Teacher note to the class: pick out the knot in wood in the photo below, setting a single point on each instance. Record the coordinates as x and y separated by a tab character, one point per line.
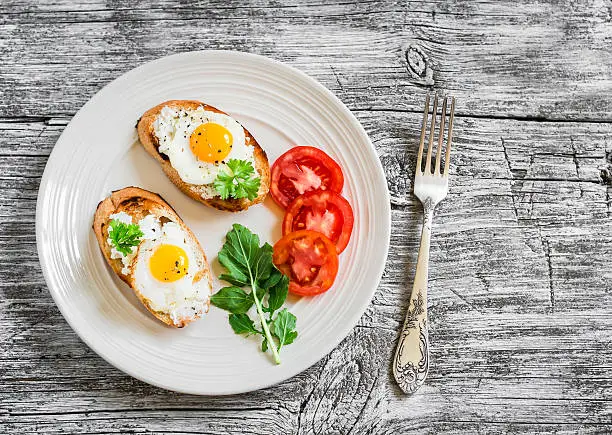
417	61
605	172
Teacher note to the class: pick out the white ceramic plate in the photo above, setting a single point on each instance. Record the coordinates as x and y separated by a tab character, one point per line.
98	152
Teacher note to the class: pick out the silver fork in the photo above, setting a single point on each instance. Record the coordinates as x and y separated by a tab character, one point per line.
412	354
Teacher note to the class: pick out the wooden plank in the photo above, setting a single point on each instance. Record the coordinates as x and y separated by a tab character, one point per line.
550	62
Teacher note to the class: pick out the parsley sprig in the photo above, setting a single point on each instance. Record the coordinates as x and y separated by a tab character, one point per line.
249	264
240	182
124	236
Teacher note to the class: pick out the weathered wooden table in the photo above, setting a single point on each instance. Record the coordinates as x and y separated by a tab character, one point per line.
521	278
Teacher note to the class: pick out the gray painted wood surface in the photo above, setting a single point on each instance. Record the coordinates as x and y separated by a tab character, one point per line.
521	262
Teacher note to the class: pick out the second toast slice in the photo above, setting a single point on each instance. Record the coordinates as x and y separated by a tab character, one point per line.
150	248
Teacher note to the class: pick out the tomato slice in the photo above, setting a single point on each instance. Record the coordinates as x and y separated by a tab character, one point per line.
309	259
302	169
323	211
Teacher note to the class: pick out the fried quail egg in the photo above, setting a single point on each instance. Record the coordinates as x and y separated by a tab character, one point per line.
199	143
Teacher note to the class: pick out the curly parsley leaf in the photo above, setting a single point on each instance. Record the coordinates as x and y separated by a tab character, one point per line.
250	265
124	236
240	182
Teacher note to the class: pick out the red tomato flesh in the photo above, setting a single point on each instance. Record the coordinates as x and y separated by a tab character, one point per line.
309	259
323	211
303	169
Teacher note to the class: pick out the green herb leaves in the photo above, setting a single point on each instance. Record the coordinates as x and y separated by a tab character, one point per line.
242	324
245	261
124	236
232	299
249	264
277	294
240	182
283	328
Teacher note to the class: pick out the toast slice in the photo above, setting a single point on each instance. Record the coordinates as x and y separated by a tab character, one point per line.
139	203
146	134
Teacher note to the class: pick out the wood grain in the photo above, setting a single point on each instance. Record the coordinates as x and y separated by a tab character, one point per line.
521	258
543	61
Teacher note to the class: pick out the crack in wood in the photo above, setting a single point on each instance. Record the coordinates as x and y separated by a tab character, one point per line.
465	301
119	19
501	117
302	408
605	174
544	179
377	328
546	250
574	157
483	280
530	424
141	410
50	120
64	119
328	386
180	8
507	159
306	401
24	155
366	402
337	78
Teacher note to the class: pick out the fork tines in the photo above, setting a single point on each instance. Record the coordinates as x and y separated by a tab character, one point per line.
432	134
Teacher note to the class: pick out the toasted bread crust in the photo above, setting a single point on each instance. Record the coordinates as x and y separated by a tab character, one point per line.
147	137
139	203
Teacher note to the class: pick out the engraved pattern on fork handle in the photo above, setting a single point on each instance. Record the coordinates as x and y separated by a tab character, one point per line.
411	362
428	209
410	368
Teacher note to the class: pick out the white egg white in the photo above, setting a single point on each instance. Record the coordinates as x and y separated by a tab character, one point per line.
183	299
173	129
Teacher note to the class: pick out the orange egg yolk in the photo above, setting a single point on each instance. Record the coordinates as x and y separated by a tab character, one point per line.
211	142
169	263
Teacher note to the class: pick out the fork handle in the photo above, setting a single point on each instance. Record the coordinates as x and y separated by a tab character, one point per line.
411	361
